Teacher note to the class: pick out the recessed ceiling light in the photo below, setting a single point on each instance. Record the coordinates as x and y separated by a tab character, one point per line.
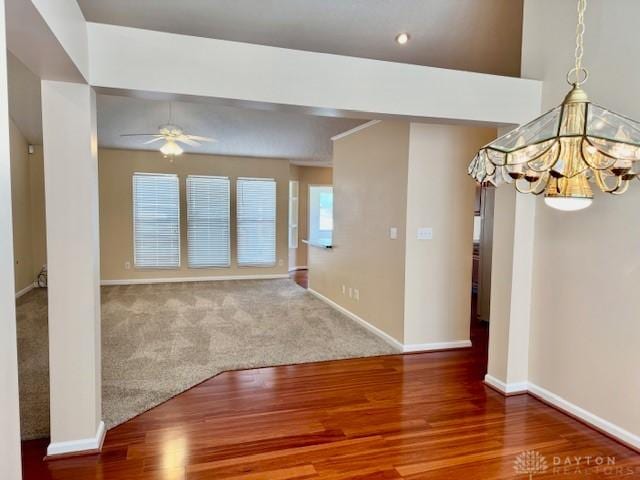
402	38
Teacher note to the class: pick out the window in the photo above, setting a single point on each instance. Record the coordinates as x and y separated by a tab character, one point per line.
256	213
293	213
156	220
321	214
208	221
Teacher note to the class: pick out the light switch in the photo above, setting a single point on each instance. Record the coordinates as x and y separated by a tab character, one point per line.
393	233
425	233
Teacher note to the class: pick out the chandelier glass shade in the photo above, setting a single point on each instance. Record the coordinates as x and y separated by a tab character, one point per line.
562	153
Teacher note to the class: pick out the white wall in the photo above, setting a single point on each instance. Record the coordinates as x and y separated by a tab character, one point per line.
585	327
127	58
10	466
73	260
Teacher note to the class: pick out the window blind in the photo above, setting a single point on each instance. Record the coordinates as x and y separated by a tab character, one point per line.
208	221
156	220
256	215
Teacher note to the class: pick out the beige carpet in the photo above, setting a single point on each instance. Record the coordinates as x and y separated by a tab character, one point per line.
159	340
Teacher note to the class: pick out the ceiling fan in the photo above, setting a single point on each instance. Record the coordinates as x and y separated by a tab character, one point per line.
172	135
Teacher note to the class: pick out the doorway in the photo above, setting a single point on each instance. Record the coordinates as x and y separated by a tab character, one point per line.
481	269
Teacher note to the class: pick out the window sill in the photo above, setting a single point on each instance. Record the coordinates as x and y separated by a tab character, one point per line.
317	244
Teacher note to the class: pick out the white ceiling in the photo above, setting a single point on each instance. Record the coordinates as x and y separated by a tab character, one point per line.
238	131
474	35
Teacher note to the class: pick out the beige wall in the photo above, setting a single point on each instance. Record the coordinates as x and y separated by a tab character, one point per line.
585	331
370	189
38	214
440	195
27	193
306	176
21	204
403	175
116	168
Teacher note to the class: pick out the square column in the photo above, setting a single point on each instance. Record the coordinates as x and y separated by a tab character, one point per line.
10	466
73	258
511	283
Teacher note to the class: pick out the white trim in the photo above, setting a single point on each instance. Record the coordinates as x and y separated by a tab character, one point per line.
375	330
25	290
599	423
567	407
370	123
138	281
293	269
506	388
83	445
425	347
416	347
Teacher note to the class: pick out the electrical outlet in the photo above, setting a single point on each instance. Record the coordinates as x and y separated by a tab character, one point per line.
356	294
425	233
127	265
350	292
393	233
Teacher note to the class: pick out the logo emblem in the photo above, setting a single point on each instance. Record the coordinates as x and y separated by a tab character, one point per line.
530	462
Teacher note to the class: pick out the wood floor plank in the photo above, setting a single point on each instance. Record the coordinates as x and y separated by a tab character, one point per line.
411	417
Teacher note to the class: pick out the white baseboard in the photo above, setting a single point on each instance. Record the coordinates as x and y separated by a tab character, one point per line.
77	446
405	348
506	388
595	421
293	269
25	290
571	409
426	347
375	330
140	281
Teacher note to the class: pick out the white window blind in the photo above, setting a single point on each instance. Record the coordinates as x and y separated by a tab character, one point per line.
156	220
208	221
256	213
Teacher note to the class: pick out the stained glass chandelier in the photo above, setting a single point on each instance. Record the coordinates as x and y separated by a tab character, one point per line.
566	150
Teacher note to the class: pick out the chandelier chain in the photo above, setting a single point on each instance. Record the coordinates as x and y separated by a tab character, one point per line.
578	70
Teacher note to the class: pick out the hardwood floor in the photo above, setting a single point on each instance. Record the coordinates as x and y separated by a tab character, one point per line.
301	277
414	416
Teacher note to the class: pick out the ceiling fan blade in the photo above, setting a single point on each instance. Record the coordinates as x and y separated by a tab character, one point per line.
153	140
141	135
185	139
201	139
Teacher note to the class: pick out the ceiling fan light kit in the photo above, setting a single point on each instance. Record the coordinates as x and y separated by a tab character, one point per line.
172	136
563	152
171	148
